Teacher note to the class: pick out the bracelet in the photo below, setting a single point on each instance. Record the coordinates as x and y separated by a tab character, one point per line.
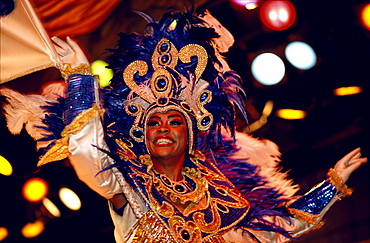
337	181
66	70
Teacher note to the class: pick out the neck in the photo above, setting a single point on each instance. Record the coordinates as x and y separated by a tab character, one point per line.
171	168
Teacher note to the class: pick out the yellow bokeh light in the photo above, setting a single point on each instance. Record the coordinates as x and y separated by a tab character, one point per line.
50	206
33	229
98	67
35	189
251	6
291	114
3	233
351	90
365	16
69	198
5	167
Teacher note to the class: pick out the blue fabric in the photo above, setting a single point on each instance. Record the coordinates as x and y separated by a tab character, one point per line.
317	199
80	96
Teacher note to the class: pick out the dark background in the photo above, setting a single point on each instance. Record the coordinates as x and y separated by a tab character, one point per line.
333	126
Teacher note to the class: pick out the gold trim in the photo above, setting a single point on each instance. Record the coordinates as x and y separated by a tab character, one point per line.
66	70
150	227
32	70
304	216
337	181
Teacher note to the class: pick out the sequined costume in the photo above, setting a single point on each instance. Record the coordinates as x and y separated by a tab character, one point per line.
230	193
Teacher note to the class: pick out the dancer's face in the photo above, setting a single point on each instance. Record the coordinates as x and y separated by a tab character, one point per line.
167	135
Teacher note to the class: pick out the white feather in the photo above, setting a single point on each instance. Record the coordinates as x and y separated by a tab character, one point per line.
266	155
24	111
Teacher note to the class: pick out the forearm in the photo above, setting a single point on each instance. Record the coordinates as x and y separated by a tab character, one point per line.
86	146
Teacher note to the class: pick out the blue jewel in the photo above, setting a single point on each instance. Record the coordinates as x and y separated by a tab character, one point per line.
165	59
133	108
163	47
203	97
205	121
161	83
137	133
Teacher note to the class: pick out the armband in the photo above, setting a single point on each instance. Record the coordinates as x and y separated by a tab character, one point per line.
315	200
80	96
337	181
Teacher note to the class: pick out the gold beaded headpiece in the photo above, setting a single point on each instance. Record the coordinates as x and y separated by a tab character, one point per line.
164	91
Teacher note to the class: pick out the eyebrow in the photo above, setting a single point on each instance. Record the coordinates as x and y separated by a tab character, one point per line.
171	116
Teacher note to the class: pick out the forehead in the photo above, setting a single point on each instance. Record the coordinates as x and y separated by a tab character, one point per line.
167	114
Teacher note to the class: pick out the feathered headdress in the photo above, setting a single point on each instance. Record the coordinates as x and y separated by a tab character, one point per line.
174	65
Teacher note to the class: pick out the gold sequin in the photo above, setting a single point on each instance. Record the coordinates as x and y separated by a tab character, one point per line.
66	70
128	77
337	181
304	216
191	50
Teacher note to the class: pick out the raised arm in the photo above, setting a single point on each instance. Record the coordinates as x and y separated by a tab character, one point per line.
82	117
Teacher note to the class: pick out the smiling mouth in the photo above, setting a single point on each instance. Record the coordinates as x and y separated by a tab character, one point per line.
164	141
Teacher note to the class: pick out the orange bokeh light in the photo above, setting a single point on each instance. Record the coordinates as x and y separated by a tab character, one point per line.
365	16
35	189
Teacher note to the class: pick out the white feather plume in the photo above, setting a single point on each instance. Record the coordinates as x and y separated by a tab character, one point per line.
24	111
266	155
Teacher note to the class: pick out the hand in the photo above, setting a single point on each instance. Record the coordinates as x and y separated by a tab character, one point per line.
69	52
349	163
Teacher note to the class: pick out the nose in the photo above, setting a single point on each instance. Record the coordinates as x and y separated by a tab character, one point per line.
163	130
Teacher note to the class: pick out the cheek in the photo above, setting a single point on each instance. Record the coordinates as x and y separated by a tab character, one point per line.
148	138
183	136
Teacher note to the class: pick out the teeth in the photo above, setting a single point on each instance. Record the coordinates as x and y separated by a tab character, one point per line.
163	141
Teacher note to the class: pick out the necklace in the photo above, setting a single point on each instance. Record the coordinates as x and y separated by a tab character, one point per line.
180	187
192	188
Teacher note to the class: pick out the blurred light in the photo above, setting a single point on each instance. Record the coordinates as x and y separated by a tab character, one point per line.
5	167
343	91
278	15
251	6
50	206
98	67
69	198
35	189
3	233
300	55
291	114
268	69
268	108
31	230
365	16
244	3
262	120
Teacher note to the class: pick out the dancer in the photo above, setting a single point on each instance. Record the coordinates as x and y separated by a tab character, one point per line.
160	143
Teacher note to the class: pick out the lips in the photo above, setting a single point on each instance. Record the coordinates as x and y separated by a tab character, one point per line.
163	142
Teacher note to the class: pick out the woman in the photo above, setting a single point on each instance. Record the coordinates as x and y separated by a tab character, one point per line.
166	154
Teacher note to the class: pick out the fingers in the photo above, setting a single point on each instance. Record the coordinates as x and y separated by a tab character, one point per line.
73	44
61	43
354	153
355	165
348	159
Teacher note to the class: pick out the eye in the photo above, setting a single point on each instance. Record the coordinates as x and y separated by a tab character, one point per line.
175	123
153	124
